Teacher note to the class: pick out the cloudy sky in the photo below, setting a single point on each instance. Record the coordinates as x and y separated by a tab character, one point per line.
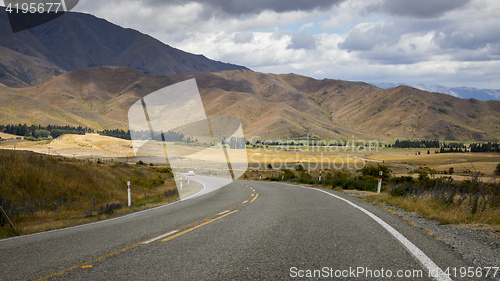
447	42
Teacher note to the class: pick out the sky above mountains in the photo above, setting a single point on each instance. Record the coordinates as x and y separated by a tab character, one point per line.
446	42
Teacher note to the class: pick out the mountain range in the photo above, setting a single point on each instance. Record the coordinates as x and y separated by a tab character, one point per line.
459	92
78	40
81	70
270	106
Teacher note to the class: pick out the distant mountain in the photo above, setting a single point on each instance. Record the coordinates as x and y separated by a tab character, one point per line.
459	92
77	40
269	106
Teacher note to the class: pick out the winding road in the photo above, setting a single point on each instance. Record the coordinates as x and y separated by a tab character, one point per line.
245	230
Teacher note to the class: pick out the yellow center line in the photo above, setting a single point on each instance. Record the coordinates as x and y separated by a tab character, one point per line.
256	195
88	262
205	220
195	227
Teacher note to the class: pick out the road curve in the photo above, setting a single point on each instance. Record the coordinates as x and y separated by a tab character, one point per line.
244	230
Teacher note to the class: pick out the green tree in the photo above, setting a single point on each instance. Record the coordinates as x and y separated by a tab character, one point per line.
497	171
41	134
57	133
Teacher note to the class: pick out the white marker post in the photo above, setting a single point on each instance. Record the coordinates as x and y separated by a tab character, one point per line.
320	176
128	191
181	182
283	176
260	176
379	181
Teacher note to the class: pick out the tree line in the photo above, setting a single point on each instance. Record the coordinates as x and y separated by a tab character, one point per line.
473	147
39	131
416	144
451	147
54	131
158	136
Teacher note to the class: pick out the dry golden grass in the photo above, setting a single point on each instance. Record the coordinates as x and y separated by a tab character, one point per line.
429	208
41	192
7	136
315	158
77	146
45	221
485	163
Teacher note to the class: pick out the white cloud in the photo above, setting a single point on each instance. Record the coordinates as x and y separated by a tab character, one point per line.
302	40
243	37
440	42
345	15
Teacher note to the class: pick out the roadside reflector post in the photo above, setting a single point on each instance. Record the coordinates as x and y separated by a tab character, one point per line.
379	181
260	176
283	175
320	176
128	193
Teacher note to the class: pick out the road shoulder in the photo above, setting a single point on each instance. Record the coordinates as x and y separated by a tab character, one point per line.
477	245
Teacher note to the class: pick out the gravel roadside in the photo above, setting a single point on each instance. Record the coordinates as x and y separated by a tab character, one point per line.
475	244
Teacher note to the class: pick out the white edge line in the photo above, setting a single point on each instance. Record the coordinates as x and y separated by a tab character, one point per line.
101	221
204	187
414	250
160	237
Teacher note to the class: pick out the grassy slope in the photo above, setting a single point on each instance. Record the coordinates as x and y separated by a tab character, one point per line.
40	192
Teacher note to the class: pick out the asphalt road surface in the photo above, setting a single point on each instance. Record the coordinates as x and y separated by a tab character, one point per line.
245	230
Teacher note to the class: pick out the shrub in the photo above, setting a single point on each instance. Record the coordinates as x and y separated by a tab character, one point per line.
402	179
166	171
402	189
288	174
305	175
299	168
358	184
304	181
373	171
472	194
110	208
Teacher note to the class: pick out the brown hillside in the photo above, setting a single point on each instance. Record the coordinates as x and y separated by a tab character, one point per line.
96	97
268	105
18	70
